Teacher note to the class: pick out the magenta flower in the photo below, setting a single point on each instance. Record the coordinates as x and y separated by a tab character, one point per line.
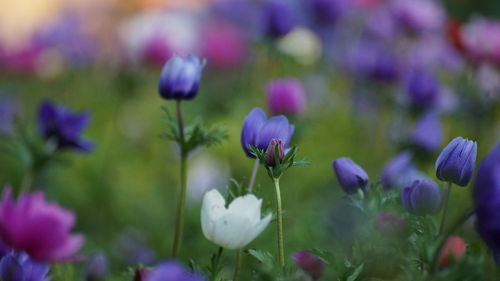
311	264
286	96
481	39
223	44
37	227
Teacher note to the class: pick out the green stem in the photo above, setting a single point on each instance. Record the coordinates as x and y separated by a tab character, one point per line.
279	224
27	180
445	208
254	175
179	222
238	264
215	265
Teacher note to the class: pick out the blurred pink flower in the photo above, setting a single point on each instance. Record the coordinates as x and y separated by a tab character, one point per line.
37	227
286	96
481	39
157	51
223	44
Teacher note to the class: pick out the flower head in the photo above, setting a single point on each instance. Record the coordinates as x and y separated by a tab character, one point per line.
481	39
311	264
452	251
456	162
422	197
487	201
19	267
423	88
37	227
427	133
400	172
172	271
419	16
180	78
259	131
233	227
278	18
60	124
286	96
351	177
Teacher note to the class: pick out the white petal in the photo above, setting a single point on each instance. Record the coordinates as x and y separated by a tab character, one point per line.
247	206
213	207
232	231
259	227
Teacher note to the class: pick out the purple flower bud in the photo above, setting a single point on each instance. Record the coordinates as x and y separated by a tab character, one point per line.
423	88
456	162
59	124
390	224
427	133
180	78
269	158
259	131
422	197
278	18
351	177
309	263
19	267
172	271
97	267
286	96
487	201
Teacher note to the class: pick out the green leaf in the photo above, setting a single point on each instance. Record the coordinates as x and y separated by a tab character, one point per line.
355	273
262	256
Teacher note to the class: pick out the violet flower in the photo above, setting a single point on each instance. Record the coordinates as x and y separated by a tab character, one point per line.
422	197
278	18
427	133
456	162
39	228
180	78
285	96
309	263
351	177
20	267
172	271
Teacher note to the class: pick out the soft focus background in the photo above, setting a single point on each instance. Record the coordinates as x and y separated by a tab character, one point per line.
367	67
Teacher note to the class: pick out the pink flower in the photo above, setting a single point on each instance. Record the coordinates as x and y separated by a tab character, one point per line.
37	227
223	44
481	40
286	96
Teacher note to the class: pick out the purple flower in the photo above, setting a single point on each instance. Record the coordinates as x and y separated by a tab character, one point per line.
309	263
481	39
285	96
326	12
180	78
422	197
400	172
419	16
351	177
487	201
19	267
423	88
259	131
427	133
97	267
39	228
57	123
172	271
372	60
390	224
278	18
456	162
269	157
157	50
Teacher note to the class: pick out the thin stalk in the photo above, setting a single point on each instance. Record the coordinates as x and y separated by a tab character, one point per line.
179	222
279	224
445	208
215	265
237	267
27	180
253	175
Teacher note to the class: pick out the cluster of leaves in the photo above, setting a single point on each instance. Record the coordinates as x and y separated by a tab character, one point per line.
281	165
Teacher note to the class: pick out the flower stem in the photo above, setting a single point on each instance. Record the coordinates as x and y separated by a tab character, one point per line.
254	175
215	265
445	208
279	224
238	265
27	180
179	222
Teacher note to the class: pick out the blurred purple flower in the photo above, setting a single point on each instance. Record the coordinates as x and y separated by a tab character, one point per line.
285	96
131	248
259	131
456	162
481	39
19	267
97	267
427	133
419	16
422	197
37	227
243	13
278	18
372	60
57	123
309	263
422	87
172	271
157	50
23	59
326	12
180	78
400	172
351	177
487	201
390	224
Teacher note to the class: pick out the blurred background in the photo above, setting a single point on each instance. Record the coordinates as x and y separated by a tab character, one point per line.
374	73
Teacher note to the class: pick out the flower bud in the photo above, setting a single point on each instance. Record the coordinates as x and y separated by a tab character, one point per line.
180	78
422	197
309	263
456	162
269	158
350	175
390	224
452	251
286	96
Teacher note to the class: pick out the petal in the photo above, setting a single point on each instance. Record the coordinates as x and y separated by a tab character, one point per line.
213	207
247	206
259	227
276	127
232	231
252	125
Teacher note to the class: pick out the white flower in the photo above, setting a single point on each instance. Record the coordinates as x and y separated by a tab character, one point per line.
236	226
